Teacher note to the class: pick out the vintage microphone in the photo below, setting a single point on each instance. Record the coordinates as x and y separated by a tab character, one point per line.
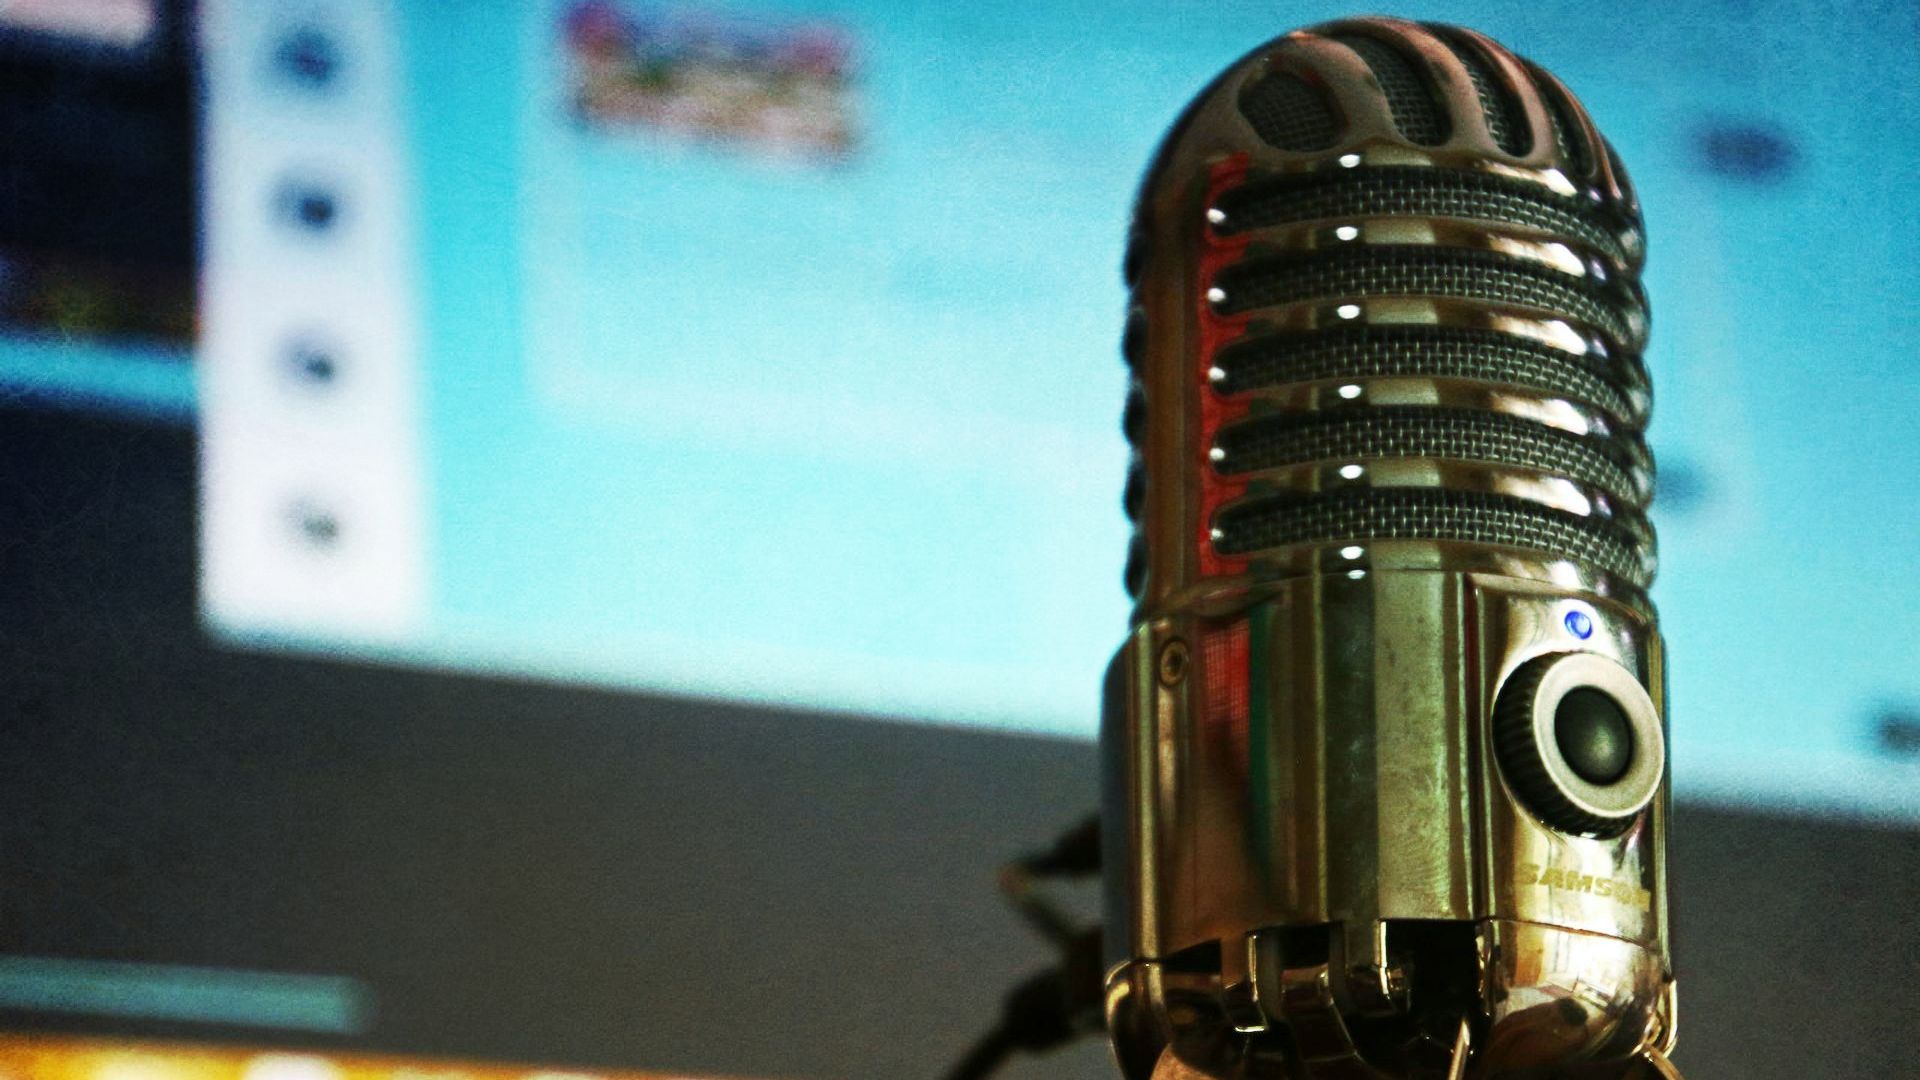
1386	789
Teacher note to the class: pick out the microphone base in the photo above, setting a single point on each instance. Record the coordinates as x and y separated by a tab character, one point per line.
1336	857
1535	1019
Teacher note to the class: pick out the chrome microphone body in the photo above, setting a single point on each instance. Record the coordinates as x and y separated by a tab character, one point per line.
1386	786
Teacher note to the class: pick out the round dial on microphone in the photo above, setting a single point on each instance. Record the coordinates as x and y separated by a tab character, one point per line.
1594	735
1580	742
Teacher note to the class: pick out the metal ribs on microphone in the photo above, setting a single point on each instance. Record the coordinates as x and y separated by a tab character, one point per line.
1386	784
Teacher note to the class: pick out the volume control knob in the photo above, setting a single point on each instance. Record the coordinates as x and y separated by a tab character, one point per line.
1580	742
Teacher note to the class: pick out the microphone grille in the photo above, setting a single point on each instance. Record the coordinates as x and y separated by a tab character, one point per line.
1427	514
1411	98
1384	270
1612	466
1456	353
1385	292
1506	117
1289	113
1568	139
1414	192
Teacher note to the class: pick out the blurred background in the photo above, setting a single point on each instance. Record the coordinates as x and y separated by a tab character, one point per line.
582	531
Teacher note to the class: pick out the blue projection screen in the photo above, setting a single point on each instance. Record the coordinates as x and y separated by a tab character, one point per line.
768	351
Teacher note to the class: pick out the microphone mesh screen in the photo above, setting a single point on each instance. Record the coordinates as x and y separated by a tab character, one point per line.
1415	192
1426	351
1416	109
1374	317
1451	434
1431	514
1566	131
1288	113
1421	271
1506	121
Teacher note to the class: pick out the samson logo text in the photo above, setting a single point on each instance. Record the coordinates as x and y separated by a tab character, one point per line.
1620	890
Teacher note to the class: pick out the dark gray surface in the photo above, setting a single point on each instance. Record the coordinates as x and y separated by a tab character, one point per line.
553	874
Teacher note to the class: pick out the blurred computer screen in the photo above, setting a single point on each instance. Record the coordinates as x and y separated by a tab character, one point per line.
765	352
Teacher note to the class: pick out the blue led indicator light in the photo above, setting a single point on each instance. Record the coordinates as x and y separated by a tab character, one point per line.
1579	625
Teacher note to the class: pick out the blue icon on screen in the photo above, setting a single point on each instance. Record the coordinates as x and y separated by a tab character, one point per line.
308	206
308	57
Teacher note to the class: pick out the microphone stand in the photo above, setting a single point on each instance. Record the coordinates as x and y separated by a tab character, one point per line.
1063	1002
